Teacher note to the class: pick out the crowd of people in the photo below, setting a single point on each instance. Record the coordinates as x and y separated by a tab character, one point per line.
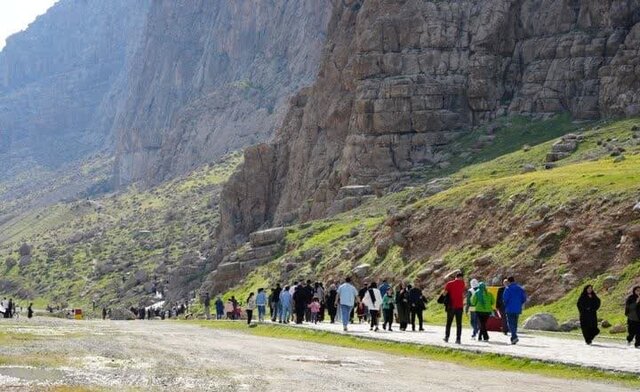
404	305
10	309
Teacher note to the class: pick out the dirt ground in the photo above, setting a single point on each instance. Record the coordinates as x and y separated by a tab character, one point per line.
172	356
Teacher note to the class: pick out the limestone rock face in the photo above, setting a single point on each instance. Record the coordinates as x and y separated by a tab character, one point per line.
399	80
56	80
211	77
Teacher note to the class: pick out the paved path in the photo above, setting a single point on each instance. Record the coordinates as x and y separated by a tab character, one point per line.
174	356
602	354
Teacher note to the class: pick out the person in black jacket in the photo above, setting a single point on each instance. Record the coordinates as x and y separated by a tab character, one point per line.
632	311
402	305
500	306
588	305
274	302
416	307
331	303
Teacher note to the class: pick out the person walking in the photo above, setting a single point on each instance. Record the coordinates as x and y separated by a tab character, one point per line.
207	306
300	303
30	310
219	308
500	306
261	303
346	298
632	311
373	301
384	287
483	302
455	290
470	309
402	305
251	305
416	307
387	309
274	302
331	303
588	305
514	298
314	307
285	306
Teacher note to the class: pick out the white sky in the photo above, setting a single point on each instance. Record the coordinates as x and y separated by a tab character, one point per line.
16	15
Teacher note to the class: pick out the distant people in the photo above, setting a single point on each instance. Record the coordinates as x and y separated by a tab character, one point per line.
274	300
483	302
632	311
455	289
261	303
373	302
207	306
104	313
30	310
402	305
514	298
417	306
387	309
10	308
331	303
251	305
346	298
300	303
285	306
500	306
384	287
319	293
470	309
588	305
219	308
314	308
229	309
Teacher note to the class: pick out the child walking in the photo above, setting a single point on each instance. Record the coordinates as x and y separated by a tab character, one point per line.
314	307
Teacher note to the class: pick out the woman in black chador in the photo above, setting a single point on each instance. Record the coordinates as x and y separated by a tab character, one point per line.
588	305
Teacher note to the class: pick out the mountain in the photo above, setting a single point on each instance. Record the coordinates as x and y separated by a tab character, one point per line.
56	79
401	81
211	77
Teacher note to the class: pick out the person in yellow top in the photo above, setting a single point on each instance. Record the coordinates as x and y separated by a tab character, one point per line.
484	302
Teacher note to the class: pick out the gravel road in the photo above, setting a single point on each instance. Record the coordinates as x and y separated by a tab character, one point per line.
172	356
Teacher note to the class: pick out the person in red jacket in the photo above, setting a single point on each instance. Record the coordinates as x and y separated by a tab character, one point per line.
455	290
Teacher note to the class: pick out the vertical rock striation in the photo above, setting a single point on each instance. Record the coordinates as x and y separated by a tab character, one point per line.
56	77
211	77
401	79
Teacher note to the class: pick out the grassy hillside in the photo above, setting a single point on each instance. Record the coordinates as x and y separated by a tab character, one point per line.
556	229
116	249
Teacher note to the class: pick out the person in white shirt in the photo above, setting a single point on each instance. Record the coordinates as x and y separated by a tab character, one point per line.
373	301
346	299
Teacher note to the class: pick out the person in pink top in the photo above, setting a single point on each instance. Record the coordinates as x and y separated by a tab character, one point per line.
314	307
455	291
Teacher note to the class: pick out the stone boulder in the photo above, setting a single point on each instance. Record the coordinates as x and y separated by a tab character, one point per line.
361	270
542	322
122	314
570	325
609	282
619	328
267	237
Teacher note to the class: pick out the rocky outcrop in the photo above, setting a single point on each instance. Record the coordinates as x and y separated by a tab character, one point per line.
56	78
263	246
400	80
212	77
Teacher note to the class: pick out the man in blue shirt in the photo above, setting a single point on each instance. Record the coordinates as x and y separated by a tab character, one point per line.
513	298
347	298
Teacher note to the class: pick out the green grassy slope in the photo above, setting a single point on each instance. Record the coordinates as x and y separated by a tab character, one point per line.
117	248
589	186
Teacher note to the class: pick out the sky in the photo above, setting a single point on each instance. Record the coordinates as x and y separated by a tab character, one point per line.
16	15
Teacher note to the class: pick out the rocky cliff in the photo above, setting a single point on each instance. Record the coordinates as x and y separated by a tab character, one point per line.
400	80
56	78
211	77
